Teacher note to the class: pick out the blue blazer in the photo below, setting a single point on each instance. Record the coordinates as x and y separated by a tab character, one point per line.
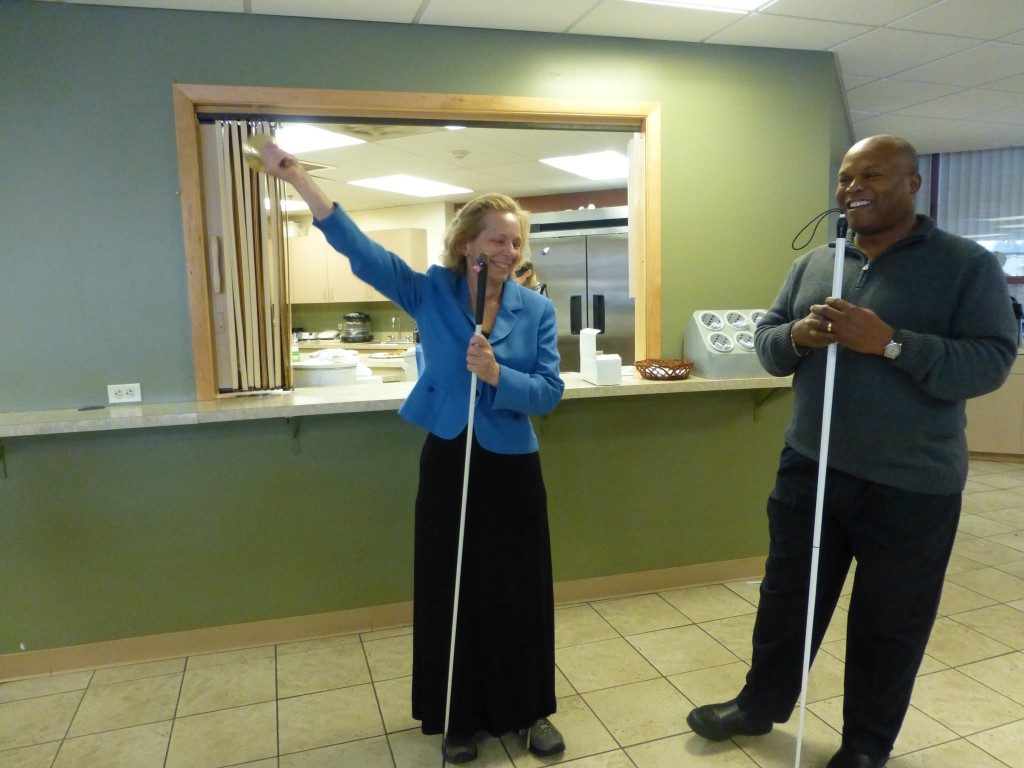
524	338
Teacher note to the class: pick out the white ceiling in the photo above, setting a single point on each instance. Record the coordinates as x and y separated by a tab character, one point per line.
946	74
495	159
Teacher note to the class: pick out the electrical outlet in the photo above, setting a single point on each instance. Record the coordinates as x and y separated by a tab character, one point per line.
124	393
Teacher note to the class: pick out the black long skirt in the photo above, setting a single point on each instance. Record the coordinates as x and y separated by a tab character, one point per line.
504	676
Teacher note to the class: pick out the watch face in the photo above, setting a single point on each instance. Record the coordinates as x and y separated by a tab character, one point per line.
892	350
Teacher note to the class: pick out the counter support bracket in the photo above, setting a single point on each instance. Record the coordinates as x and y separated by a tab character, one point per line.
294	423
762	397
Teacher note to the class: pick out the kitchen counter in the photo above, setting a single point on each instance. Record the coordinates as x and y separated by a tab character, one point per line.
317	401
373	354
360	346
995	422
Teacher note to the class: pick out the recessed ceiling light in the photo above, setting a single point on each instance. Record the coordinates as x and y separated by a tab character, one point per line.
410	185
288	206
726	6
297	138
598	166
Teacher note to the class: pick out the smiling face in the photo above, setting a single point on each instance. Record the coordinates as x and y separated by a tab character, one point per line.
877	183
502	240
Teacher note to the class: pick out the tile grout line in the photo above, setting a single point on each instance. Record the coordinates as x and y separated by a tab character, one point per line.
277	708
376	698
174	715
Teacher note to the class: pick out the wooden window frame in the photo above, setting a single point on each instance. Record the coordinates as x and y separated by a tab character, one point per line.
193	101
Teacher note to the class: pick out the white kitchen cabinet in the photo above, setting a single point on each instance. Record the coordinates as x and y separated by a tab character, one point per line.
307	271
318	274
408	243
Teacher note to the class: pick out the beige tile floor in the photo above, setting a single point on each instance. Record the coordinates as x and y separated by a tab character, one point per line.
629	670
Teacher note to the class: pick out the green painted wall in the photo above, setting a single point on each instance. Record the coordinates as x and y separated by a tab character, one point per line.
130	533
94	280
121	534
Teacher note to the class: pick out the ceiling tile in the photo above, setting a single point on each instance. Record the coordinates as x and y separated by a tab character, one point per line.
532	174
989	20
979	65
531	15
971	102
362	160
784	32
1015	83
857	116
877	13
1013	115
933	135
504	159
356	10
220	6
618	18
888	95
855	81
884	52
556	143
439	147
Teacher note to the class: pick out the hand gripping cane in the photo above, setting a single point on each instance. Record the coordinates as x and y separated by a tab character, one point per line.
819	502
481	296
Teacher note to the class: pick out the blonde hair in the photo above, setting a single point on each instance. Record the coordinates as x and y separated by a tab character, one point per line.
469	222
525	265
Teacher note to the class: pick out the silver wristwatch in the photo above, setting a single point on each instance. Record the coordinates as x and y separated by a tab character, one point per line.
892	350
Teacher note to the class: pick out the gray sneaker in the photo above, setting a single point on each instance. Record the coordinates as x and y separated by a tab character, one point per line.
543	739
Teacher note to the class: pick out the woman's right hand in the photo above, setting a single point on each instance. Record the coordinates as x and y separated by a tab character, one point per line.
281	165
278	163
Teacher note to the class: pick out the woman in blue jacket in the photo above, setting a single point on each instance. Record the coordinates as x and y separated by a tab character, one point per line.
505	652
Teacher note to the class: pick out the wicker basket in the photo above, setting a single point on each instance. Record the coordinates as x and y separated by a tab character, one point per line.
664	370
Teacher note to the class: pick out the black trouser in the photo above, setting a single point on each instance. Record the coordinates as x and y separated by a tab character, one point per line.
902	542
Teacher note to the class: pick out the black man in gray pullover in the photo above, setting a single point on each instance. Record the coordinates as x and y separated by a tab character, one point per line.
925	322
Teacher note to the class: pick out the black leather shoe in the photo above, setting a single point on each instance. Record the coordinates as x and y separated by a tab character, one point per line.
718	722
848	758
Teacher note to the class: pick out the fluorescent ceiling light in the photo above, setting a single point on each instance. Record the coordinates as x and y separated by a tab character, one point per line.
410	185
598	166
288	206
297	138
726	6
455	127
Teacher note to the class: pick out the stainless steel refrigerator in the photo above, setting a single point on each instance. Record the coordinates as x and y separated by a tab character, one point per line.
583	257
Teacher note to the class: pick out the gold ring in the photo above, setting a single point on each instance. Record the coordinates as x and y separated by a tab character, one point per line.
828	328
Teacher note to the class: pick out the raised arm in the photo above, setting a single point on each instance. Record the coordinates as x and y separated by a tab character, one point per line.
281	165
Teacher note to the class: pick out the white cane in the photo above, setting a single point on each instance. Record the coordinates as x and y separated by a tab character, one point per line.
819	503
481	297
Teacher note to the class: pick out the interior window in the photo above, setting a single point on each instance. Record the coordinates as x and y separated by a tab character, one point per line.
194	104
